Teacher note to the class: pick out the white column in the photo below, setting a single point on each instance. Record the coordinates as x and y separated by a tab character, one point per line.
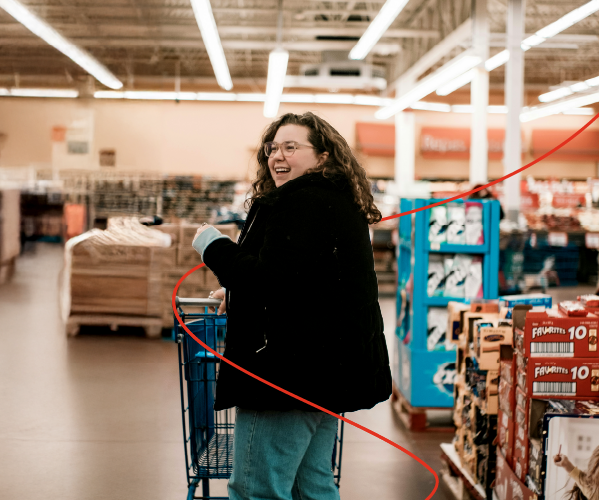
514	94
479	96
405	154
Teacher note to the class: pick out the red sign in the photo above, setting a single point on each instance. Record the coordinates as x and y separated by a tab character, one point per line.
584	147
454	143
529	201
568	200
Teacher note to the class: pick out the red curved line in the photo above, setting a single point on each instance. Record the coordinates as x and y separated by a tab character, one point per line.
361	427
559	146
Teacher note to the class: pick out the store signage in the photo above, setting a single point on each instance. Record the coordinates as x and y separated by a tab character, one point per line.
529	201
584	147
454	143
591	240
557	239
568	200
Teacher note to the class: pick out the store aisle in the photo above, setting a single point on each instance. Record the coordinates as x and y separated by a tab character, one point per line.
98	416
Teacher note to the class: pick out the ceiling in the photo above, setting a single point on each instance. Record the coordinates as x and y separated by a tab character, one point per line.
145	43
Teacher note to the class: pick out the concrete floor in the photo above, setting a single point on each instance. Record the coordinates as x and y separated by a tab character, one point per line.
98	416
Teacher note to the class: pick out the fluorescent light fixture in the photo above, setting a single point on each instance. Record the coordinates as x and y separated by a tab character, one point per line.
431	106
593	82
205	19
531	41
251	97
555	94
580	111
579	87
42	29
462	108
492	63
66	93
497	60
370	100
456	83
569	19
432	82
215	96
277	67
109	94
389	11
302	98
160	96
334	98
559	107
497	110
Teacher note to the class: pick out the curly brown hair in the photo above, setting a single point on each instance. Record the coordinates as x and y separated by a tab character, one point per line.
589	478
340	161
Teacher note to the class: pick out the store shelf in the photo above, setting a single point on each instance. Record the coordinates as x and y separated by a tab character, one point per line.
442	301
451	457
452	248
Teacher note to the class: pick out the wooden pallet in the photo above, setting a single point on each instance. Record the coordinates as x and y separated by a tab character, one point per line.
152	326
414	418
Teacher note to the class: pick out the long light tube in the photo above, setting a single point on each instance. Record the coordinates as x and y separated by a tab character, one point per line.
432	82
538	38
205	19
277	68
66	93
42	29
554	95
456	83
559	107
389	11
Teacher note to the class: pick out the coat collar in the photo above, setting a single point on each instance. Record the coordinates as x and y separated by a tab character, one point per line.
338	181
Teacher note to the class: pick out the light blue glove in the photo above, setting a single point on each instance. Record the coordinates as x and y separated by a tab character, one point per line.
205	238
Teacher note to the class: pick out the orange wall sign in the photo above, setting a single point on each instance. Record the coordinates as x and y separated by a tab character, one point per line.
584	147
454	143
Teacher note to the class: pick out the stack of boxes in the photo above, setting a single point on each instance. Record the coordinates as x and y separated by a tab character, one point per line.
476	393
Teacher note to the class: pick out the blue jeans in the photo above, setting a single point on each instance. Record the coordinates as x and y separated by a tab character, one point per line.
283	455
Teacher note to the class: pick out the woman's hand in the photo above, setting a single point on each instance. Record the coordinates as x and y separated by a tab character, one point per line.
562	461
219	294
199	231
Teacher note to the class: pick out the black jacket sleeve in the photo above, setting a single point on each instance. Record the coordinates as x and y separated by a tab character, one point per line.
298	246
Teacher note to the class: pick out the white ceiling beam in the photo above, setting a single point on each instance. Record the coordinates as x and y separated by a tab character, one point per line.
182	30
308	46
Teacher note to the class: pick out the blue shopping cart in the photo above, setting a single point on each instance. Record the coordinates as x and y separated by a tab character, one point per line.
208	434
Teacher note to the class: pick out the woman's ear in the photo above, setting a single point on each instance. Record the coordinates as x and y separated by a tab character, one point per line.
322	158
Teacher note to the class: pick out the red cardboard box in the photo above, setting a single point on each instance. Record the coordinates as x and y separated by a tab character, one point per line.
521	380
508	370
505	435
563	378
522	399
507	398
521	445
521	416
552	334
507	484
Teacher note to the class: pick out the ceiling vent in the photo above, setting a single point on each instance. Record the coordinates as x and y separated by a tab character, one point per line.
338	72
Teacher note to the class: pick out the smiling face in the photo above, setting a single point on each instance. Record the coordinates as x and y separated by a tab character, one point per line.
303	158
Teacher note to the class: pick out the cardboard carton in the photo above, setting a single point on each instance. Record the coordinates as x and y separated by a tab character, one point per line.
563	378
507	485
553	334
453	319
505	435
489	337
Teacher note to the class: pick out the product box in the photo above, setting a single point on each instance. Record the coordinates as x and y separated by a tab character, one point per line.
484	306
521	417
563	378
552	334
489	337
505	435
507	485
453	319
474	223
521	380
467	319
522	398
507	398
507	365
491	402
437	225
436	276
531	299
521	452
535	459
436	320
456	271
456	223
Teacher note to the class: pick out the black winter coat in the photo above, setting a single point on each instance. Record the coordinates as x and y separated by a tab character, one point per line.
301	282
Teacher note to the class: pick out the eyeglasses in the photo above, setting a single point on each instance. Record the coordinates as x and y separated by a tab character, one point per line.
288	148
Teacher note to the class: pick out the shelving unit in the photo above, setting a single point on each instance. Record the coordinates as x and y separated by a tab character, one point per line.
425	378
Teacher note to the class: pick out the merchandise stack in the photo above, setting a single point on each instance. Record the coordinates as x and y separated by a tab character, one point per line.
10	238
448	254
481	333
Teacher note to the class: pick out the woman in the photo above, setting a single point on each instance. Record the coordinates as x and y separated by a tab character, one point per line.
587	483
302	305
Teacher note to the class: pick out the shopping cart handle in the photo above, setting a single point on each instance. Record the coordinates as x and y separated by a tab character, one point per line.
180	301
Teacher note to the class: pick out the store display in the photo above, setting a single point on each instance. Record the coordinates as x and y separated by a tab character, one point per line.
474	223
456	223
